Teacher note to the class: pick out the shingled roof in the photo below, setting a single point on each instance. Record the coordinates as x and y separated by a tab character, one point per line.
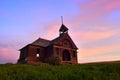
45	43
41	42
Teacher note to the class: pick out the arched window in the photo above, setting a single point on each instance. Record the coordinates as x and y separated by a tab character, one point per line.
66	55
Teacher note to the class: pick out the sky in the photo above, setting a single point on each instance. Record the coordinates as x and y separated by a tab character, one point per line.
94	26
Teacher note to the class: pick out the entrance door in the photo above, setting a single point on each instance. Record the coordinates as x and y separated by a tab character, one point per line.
66	55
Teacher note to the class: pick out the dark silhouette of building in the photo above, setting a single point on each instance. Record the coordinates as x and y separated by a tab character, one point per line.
62	47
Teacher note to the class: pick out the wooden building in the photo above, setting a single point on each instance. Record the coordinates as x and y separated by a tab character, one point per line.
62	47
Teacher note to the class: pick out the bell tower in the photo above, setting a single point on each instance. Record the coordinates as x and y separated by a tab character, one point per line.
63	29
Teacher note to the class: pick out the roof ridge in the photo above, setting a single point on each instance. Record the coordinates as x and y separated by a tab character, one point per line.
41	42
43	39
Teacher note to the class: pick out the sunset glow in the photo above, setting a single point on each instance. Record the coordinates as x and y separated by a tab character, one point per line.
94	25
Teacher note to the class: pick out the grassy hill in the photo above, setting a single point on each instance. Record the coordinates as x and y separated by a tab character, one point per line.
95	71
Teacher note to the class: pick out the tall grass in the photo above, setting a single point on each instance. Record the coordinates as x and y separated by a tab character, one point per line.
110	71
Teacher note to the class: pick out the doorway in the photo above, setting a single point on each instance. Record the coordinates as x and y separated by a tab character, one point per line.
66	55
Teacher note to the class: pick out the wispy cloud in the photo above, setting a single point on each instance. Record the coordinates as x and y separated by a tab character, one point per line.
8	54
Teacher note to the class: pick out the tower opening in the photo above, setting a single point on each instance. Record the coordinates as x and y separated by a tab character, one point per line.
63	29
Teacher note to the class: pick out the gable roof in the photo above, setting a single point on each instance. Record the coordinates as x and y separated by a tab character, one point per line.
41	42
65	35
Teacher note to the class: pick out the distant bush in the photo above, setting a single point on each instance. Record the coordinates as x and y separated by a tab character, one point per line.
54	60
9	63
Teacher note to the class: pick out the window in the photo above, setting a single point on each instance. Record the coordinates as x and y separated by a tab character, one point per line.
66	43
37	55
26	59
37	52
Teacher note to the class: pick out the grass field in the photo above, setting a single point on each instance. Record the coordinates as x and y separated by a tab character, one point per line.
95	71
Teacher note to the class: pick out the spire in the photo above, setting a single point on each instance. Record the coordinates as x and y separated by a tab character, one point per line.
62	19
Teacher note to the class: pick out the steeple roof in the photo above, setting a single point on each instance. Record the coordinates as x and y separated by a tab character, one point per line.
63	28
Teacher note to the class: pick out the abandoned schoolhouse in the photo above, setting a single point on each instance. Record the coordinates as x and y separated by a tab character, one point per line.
62	47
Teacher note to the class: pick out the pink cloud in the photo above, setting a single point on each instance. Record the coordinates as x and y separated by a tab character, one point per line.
98	6
112	5
8	54
94	50
94	34
52	30
99	53
94	10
